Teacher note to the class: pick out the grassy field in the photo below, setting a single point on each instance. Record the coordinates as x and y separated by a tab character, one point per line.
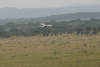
66	50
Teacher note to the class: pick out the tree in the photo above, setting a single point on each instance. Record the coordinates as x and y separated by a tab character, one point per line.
4	34
99	29
79	30
88	29
16	32
95	30
53	20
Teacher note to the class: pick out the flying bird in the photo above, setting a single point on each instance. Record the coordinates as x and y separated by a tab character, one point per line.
43	25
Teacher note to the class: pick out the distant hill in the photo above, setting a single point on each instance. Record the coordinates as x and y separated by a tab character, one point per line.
60	17
15	13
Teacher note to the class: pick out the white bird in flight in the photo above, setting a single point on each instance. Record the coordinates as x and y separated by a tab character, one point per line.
43	25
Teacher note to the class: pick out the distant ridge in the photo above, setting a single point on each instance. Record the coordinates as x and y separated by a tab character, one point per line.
15	13
60	17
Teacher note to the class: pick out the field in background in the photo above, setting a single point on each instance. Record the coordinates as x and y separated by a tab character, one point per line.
66	50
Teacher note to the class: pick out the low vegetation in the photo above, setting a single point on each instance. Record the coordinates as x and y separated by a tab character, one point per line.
62	50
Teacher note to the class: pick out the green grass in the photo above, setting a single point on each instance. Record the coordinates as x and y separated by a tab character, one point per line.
50	51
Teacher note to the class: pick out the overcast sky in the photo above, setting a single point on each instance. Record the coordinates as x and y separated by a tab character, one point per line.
45	3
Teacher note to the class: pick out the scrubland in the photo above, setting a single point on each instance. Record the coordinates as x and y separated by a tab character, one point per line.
66	50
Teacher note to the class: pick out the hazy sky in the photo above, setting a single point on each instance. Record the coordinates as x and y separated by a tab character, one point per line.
45	3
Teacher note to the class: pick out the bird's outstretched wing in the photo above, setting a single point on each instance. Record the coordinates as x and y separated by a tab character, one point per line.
49	25
43	25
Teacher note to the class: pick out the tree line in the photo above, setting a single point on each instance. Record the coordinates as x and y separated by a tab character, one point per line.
31	29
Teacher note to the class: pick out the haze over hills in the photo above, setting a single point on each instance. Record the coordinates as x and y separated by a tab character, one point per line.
15	13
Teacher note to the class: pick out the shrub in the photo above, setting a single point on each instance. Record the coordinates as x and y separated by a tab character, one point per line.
85	44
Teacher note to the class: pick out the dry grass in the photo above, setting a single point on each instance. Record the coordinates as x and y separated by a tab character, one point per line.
67	50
